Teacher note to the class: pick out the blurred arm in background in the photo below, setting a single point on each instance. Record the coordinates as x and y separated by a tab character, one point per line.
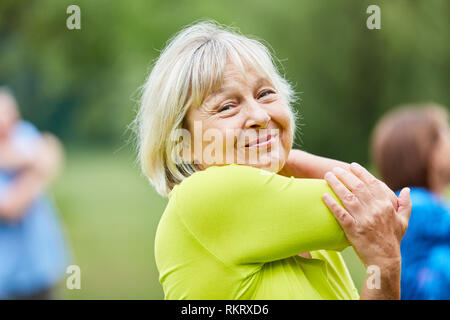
34	176
33	168
11	159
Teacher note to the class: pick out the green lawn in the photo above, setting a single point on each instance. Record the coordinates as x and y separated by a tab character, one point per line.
110	213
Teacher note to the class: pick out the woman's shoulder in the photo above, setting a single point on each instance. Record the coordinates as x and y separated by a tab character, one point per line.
218	189
234	179
227	171
220	178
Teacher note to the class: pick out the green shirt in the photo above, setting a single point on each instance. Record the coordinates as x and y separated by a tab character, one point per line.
235	232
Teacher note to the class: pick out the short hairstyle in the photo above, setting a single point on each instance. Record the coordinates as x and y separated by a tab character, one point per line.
403	141
190	68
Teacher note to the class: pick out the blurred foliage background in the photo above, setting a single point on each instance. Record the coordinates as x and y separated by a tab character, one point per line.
83	85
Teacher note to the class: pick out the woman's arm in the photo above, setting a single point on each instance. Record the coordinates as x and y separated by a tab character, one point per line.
373	225
301	164
388	287
33	180
20	194
12	159
245	215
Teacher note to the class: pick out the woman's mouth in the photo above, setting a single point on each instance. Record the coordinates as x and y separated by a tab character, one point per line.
261	142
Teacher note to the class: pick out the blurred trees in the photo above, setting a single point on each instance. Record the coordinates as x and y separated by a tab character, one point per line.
81	84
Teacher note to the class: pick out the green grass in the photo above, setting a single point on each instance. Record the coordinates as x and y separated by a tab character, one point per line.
110	214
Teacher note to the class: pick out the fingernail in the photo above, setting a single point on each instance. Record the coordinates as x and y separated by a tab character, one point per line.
328	175
355	166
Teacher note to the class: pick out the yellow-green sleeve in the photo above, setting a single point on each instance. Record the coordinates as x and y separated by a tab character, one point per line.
247	215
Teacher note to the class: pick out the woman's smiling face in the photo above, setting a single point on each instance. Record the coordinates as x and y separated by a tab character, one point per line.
246	121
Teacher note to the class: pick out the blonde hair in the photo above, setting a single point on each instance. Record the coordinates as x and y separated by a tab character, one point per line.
187	71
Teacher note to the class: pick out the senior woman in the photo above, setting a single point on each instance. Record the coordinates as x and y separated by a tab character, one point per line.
215	135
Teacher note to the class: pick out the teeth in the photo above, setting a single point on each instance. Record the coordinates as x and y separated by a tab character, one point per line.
259	140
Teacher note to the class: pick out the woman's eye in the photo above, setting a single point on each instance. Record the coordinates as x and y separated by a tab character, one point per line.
265	92
225	108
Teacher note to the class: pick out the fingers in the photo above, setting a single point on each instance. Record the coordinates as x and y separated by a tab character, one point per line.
405	205
379	189
353	183
344	218
348	199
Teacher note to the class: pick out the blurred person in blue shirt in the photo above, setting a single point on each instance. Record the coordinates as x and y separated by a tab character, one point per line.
411	148
33	251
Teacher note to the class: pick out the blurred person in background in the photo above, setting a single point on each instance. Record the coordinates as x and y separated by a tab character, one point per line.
411	148
33	252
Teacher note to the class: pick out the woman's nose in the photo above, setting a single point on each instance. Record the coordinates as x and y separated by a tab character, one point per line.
257	116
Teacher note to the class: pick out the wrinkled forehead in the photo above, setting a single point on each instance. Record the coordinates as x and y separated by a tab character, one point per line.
235	76
247	63
226	62
249	71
